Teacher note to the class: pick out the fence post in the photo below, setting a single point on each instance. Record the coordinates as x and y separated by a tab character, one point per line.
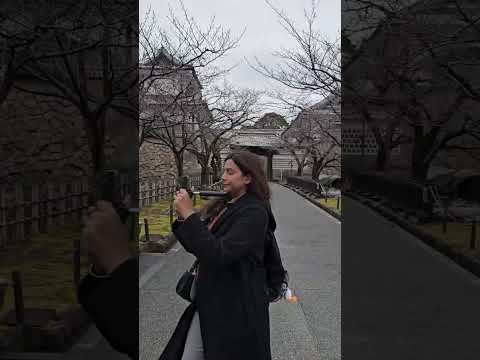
19	304
444	221
338	202
76	261
152	193
3	218
56	204
145	193
140	205
49	207
147	232
35	209
473	234
68	203
20	213
62	204
78	199
84	197
146	190
27	211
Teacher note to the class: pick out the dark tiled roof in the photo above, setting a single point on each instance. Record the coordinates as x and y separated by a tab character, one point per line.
267	138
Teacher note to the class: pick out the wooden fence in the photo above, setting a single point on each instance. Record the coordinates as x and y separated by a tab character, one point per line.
26	210
154	190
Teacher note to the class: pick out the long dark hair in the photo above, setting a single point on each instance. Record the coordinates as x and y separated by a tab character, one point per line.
249	164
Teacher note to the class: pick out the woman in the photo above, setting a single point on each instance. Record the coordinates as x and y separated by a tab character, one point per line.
239	267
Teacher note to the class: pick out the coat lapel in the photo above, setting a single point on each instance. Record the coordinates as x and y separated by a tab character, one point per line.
231	210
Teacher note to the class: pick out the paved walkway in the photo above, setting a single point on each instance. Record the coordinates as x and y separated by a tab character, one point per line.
309	241
401	299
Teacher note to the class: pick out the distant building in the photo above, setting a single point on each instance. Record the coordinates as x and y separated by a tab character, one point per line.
321	123
398	43
270	120
175	92
265	138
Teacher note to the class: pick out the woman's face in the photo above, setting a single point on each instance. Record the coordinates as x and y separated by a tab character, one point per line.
234	182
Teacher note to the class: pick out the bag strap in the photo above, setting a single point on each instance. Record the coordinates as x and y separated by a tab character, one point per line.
194	266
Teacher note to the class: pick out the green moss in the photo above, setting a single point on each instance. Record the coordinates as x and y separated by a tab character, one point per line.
45	263
331	203
457	235
158	216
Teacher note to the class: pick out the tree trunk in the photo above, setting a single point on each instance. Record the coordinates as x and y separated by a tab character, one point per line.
299	170
425	148
204	175
179	163
419	171
96	143
418	165
216	166
317	168
383	157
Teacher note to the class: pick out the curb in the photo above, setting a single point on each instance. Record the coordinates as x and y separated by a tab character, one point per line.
460	259
324	208
169	242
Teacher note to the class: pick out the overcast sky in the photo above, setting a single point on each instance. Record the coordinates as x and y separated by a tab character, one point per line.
263	33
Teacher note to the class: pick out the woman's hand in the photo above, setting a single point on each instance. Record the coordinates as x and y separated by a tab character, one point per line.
106	237
183	204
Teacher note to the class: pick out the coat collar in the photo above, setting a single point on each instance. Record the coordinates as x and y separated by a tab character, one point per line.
232	207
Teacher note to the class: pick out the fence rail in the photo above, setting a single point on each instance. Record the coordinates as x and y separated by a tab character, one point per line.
27	210
154	190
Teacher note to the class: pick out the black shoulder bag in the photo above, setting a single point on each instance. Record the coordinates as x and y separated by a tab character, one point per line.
184	285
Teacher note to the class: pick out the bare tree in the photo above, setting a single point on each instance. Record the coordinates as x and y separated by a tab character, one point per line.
309	72
171	118
313	138
99	75
299	147
408	66
25	34
189	51
187	43
230	108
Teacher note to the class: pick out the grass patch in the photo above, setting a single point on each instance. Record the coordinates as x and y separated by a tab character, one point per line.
457	236
47	269
331	203
158	216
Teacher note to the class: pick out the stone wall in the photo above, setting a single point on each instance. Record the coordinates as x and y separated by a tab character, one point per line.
158	161
44	140
41	140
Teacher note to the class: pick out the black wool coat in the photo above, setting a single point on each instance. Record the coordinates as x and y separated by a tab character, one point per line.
112	304
231	297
